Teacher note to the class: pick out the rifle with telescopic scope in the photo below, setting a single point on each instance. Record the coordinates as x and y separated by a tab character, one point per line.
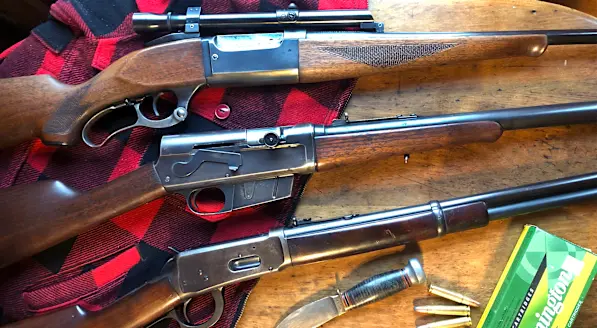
286	47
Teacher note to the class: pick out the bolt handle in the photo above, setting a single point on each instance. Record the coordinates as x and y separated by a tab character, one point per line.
383	285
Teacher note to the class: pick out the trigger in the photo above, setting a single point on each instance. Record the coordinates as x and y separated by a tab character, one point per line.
155	104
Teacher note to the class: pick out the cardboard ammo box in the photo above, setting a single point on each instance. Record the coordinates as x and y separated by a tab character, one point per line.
543	285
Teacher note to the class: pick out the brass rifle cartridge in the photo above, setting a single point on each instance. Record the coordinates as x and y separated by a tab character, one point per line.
458	310
453	296
450	323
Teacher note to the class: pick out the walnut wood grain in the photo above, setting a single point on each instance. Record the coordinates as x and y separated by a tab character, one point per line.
40	106
25	104
138	309
42	214
347	56
340	150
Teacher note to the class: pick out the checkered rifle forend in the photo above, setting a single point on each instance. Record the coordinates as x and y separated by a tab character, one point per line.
209	268
315	50
250	167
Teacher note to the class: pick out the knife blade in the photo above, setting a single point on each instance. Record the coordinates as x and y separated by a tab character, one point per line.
367	291
314	314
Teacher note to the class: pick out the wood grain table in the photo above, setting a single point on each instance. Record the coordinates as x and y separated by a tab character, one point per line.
470	262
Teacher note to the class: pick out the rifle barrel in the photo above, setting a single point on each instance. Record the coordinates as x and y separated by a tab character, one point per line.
499	203
564	37
540	204
507	197
509	119
554	37
357	234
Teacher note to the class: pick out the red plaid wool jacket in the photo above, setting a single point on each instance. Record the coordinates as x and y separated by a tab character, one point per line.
94	269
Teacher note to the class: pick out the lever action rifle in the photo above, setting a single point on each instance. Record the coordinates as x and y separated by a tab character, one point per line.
208	269
250	167
199	54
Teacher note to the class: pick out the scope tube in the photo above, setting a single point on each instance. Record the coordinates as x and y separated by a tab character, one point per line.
148	23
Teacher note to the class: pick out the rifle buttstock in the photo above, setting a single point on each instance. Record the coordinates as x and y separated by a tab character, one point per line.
137	309
348	56
25	106
40	106
45	213
353	148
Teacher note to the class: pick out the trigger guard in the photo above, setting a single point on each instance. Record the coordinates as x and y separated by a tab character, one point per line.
183	322
228	191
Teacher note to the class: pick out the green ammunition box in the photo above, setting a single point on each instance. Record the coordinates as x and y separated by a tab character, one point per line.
543	285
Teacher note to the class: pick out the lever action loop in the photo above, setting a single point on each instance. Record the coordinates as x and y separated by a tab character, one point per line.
178	115
218	296
183	321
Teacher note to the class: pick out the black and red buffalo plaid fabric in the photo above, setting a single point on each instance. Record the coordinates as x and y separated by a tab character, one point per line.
93	270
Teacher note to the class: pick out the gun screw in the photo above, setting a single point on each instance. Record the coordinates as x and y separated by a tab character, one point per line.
180	113
200	272
406	157
240	255
206	278
215	56
270	268
167	179
271	140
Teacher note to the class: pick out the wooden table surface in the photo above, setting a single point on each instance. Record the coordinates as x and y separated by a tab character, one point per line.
470	262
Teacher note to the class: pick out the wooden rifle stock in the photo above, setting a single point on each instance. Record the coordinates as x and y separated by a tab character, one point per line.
353	148
137	309
348	56
40	215
40	106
